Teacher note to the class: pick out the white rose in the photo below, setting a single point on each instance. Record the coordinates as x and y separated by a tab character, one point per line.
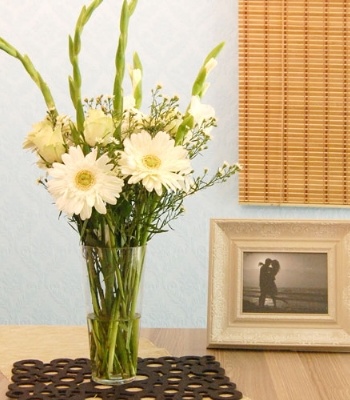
47	141
98	127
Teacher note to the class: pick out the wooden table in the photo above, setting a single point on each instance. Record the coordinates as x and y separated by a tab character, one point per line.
260	375
267	375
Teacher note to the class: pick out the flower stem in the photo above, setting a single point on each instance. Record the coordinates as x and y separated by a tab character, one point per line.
127	11
74	50
114	326
33	73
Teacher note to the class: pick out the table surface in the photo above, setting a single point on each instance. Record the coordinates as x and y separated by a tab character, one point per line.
260	375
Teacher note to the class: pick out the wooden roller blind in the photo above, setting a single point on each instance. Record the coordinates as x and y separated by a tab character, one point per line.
294	83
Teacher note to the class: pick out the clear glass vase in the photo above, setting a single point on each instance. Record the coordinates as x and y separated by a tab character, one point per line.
113	293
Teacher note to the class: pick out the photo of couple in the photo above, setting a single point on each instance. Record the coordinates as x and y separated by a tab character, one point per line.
285	282
267	281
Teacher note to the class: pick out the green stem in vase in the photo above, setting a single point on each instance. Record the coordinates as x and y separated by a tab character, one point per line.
96	290
112	339
115	323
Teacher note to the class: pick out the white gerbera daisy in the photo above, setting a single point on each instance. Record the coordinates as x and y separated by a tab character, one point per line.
83	182
156	161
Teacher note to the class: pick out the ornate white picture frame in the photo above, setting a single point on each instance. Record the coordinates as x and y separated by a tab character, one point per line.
302	304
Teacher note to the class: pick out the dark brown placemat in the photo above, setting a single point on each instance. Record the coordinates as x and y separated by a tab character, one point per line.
185	378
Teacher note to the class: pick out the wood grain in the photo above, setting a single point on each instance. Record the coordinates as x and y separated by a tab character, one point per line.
268	375
259	375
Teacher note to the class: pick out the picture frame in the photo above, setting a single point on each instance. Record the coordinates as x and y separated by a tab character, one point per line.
305	305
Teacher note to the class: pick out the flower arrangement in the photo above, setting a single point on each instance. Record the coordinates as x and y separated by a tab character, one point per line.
120	174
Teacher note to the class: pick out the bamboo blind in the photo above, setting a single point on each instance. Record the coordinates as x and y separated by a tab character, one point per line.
294	80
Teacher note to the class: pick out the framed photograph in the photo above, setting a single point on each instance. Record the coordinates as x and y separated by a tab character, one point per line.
279	284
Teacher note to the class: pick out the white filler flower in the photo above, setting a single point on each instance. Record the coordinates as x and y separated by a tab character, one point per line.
156	161
83	182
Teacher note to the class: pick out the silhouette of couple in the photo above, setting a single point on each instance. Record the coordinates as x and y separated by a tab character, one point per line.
268	288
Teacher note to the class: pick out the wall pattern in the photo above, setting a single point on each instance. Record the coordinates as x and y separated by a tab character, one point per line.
41	268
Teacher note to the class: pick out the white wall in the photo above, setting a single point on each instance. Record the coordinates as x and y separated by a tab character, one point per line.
41	269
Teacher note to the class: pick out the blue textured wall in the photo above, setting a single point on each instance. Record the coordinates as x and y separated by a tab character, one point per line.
41	269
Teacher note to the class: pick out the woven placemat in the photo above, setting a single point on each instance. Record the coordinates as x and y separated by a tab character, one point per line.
188	377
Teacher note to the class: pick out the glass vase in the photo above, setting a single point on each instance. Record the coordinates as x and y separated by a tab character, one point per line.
113	293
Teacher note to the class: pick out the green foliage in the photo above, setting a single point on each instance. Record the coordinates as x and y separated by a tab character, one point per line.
33	73
138	214
74	50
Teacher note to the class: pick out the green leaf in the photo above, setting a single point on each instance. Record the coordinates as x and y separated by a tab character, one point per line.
215	52
132	6
71	49
199	82
76	44
72	90
75	134
184	127
198	85
138	90
137	62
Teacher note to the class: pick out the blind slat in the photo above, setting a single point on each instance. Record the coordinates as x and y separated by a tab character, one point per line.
294	111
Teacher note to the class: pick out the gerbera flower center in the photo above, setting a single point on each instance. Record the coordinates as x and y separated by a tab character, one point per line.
151	161
84	179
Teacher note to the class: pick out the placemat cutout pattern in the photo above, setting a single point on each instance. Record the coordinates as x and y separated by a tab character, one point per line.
185	378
